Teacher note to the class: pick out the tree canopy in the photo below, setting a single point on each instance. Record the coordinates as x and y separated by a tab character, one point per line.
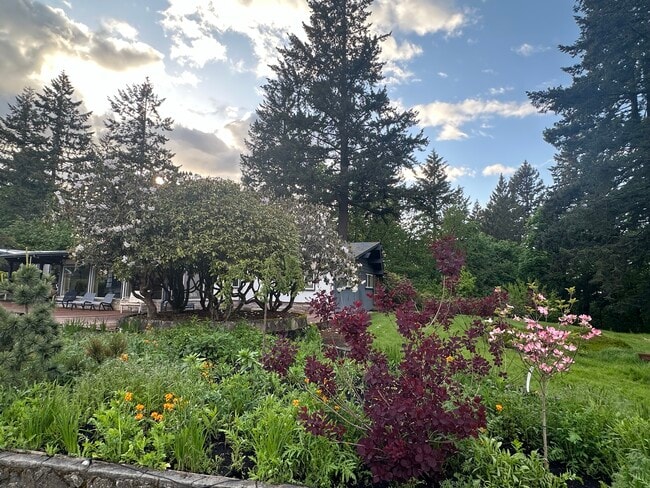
596	223
326	131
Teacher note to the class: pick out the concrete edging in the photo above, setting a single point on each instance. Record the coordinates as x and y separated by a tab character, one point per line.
30	469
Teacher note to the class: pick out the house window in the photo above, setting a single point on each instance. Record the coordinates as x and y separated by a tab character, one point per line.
370	282
75	279
310	282
107	283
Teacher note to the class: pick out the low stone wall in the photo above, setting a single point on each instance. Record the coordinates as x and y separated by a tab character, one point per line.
27	469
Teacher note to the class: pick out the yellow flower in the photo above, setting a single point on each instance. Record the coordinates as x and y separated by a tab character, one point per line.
307	380
337	408
295	403
138	416
499	407
156	416
139	407
168	406
324	398
128	396
450	359
319	391
169	397
124	357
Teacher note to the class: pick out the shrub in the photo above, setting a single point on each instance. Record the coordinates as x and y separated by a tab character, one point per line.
488	465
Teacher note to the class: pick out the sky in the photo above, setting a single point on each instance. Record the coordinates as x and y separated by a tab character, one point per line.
464	65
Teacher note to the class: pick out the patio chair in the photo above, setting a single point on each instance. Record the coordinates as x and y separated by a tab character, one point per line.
68	296
105	304
87	299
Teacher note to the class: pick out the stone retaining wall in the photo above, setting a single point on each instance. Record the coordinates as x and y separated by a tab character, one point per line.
27	469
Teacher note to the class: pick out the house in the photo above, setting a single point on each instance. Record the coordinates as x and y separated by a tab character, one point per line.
82	279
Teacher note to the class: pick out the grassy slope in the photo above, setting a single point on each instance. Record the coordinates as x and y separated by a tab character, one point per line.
606	367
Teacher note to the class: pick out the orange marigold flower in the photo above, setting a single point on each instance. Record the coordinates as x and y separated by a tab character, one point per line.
128	396
319	391
450	359
499	407
138	416
124	357
168	406
295	403
169	397
307	380
324	398
337	408
139	407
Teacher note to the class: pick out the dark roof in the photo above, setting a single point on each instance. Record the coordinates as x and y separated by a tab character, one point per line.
360	248
18	255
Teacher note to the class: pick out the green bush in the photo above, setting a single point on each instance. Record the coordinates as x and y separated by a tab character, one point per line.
487	465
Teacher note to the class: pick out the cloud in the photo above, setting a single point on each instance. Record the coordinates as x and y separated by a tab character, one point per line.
450	117
33	35
394	55
528	49
193	24
500	90
455	172
419	16
498	169
204	153
442	74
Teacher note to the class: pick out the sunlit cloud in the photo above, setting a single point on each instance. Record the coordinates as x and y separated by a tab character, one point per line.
449	118
498	169
528	49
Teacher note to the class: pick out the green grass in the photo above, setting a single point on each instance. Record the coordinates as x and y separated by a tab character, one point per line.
607	367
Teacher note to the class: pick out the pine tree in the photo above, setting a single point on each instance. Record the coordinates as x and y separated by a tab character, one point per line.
498	219
326	131
25	190
527	191
432	194
28	341
69	140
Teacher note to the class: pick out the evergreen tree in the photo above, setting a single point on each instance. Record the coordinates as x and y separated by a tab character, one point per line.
527	191
25	190
596	224
432	194
27	341
326	131
498	217
69	140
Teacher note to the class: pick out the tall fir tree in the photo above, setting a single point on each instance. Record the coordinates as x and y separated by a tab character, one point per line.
498	217
527	191
432	194
69	140
596	223
25	189
326	131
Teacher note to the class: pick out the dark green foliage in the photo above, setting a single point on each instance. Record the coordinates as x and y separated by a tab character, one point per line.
595	225
25	189
527	190
30	340
498	217
431	195
69	141
41	235
326	130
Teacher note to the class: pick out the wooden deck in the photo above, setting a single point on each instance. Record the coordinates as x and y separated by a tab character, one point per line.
109	318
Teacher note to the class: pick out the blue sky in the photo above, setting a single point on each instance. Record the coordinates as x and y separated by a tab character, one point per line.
465	66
